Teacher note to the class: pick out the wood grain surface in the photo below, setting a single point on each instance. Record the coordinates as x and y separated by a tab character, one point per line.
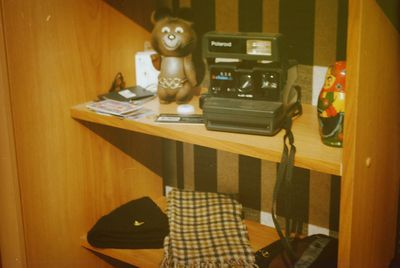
370	183
311	153
69	173
12	244
259	236
61	53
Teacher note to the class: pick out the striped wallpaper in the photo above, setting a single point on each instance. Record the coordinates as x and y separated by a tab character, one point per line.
316	31
316	34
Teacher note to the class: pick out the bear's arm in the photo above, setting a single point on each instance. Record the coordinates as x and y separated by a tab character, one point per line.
190	70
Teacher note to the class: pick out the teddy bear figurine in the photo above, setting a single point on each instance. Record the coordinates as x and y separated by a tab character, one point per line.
174	39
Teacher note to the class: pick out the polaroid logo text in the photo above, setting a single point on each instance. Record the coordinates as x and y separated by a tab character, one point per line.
221	44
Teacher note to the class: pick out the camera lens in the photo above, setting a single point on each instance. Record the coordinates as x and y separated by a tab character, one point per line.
270	85
269	80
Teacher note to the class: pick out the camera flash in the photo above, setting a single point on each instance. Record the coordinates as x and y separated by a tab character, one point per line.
258	47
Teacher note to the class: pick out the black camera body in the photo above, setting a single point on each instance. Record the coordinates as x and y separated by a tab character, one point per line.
248	81
251	82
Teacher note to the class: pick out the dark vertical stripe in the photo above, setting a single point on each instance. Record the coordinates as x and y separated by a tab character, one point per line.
204	15
175	5
205	169
169	163
341	41
335	204
204	21
301	184
280	202
179	165
298	197
250	182
250	15
296	22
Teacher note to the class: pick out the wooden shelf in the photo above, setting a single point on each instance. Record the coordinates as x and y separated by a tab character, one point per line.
259	235
311	152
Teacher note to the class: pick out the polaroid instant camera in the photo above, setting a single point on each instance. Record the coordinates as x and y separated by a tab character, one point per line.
251	80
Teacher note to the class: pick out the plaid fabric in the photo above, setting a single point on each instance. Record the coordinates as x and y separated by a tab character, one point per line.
206	230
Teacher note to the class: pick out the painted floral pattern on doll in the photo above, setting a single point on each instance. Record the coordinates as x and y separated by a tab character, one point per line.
331	105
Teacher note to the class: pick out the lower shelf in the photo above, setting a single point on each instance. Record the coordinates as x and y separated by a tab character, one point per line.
260	235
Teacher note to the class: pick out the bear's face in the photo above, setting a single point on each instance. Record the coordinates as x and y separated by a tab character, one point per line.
173	37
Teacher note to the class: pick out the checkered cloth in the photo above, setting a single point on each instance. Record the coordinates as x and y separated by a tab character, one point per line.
206	230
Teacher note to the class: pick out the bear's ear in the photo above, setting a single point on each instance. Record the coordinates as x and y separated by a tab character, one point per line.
159	14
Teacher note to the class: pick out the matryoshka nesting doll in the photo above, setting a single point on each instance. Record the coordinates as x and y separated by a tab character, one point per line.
331	105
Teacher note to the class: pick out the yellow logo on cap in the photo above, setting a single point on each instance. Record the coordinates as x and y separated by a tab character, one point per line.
138	223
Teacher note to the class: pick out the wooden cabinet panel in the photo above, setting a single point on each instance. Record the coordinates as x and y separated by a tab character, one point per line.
371	147
12	246
69	173
61	53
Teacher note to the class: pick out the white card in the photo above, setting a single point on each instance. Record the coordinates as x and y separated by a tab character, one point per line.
126	93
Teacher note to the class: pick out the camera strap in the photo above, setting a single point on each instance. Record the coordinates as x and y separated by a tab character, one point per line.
284	180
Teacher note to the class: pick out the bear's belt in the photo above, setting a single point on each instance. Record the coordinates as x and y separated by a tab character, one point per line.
171	82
